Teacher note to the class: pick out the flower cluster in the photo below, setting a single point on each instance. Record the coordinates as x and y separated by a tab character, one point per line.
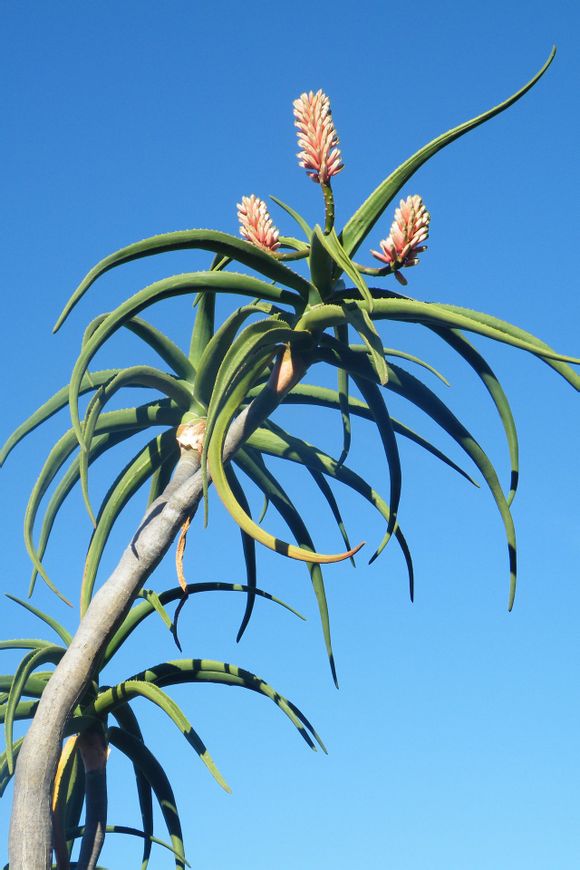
317	137
256	224
409	229
321	158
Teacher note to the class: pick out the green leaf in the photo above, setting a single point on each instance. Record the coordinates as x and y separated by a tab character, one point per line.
300	250
264	510
412	389
416	392
464	348
101	444
54	462
214	456
128	721
181	671
328	494
6	774
278	443
177	285
203	328
153	599
364	219
108	699
144	759
77	832
24	643
23	710
321	268
304	226
35	685
334	248
319	480
128	482
216	348
170	352
249	549
435	314
204	324
116	426
516	332
140	612
64	635
391	351
341	334
220	414
29	663
242	365
221	243
267	483
157	341
386	431
236	375
314	395
135	376
90	381
361	321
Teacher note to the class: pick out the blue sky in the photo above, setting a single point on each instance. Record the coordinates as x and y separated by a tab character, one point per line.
453	741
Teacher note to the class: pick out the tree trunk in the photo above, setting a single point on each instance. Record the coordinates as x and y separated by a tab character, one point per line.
30	845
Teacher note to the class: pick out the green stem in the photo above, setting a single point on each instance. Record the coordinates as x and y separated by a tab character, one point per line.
294	255
369	270
328	207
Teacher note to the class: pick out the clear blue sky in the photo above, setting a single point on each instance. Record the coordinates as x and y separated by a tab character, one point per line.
454	737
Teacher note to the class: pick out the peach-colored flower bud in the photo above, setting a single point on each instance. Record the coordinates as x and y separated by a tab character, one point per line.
256	224
317	137
409	229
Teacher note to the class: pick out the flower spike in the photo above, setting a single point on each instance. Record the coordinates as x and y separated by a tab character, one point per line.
256	224
317	137
409	229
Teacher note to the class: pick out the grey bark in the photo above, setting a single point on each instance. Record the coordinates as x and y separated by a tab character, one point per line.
30	843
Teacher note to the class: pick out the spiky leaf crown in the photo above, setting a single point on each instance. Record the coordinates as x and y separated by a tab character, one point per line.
291	324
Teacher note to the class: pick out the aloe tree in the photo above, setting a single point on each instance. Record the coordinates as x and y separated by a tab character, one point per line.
309	303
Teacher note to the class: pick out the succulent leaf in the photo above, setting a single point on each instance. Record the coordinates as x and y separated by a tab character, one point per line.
265	480
29	663
141	611
169	352
223	244
249	549
129	723
134	376
127	483
91	381
123	692
180	671
177	285
143	758
366	216
302	223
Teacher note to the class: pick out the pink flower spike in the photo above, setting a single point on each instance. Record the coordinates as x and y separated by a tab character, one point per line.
256	224
408	231
317	137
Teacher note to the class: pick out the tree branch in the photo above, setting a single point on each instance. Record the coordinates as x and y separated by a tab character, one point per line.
30	844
